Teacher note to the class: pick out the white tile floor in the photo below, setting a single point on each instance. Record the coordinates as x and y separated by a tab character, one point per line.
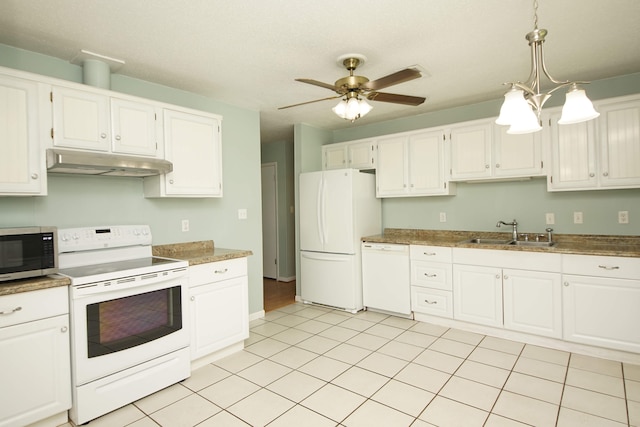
310	366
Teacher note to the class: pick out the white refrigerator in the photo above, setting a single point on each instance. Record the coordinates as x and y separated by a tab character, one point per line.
337	208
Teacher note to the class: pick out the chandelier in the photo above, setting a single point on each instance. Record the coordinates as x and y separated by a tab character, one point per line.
352	107
523	102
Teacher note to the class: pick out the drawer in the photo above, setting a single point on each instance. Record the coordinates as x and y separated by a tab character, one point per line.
430	253
432	301
601	266
29	306
216	271
431	275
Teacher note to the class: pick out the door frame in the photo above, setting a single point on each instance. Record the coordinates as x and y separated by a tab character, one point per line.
274	166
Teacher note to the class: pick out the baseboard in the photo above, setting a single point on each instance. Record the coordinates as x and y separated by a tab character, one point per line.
256	315
286	279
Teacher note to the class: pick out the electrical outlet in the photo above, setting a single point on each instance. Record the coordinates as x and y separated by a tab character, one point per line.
623	217
185	225
550	218
577	218
443	217
242	214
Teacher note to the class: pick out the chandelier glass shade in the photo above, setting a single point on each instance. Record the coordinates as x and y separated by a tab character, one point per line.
523	103
352	108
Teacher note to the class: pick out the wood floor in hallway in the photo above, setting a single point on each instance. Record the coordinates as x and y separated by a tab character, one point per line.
278	294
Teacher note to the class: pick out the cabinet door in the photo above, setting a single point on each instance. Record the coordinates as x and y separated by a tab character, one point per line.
426	164
573	156
477	294
334	156
602	311
22	169
192	144
80	119
471	151
35	371
620	144
134	127
516	155
532	302
219	316
391	173
361	155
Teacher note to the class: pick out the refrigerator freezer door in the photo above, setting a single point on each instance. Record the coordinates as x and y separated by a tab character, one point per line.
331	279
326	212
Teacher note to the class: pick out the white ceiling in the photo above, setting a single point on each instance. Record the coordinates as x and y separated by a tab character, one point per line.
248	52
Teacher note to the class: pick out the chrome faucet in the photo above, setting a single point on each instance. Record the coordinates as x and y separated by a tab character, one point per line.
514	224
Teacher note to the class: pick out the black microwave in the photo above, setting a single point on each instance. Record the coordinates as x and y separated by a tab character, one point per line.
28	252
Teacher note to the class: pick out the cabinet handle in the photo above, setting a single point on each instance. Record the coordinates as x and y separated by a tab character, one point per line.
11	311
609	267
170	181
430	302
103	135
591	175
497	165
221	271
497	276
430	275
34	176
486	166
429	253
117	137
193	298
605	174
566	284
506	277
64	329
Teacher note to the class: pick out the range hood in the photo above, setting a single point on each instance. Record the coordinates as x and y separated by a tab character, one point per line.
92	163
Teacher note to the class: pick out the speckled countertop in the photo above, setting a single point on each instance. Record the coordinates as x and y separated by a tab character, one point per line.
580	244
201	252
195	253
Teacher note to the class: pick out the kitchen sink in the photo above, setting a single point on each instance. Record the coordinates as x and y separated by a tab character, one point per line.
532	244
480	241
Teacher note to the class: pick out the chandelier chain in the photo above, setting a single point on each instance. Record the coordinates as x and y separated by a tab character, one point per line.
535	14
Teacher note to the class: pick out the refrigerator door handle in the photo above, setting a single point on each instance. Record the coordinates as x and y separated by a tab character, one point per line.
323	211
319	211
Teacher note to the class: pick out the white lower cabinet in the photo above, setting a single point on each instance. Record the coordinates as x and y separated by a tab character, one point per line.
532	302
601	300
36	366
477	294
431	280
219	306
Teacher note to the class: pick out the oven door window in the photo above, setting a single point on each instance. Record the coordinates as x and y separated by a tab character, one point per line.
127	322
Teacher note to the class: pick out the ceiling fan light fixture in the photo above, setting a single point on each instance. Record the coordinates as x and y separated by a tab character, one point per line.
352	109
577	107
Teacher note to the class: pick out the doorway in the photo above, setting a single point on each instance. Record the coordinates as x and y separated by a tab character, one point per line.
270	220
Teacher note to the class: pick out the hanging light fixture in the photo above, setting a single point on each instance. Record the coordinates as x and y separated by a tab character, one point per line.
352	107
523	103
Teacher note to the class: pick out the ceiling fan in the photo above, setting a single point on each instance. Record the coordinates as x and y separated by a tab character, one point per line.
353	87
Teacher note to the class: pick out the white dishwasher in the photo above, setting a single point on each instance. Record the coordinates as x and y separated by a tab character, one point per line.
386	272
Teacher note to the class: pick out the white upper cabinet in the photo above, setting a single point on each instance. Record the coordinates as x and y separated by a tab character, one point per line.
471	150
516	155
91	120
193	145
22	126
412	164
359	154
599	154
134	127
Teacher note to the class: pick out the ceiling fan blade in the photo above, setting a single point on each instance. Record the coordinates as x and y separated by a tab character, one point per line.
309	102
317	83
393	79
395	98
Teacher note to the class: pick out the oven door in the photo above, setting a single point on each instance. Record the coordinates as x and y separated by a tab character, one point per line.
122	323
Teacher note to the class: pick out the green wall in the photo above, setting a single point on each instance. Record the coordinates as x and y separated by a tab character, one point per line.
281	153
85	200
479	206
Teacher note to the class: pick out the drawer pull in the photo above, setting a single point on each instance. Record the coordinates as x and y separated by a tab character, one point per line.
11	311
430	302
430	275
609	267
429	253
221	271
